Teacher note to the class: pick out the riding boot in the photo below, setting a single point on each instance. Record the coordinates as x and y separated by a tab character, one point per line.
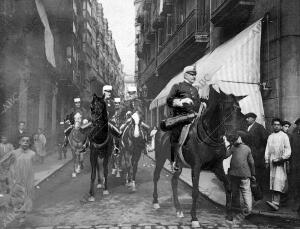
174	156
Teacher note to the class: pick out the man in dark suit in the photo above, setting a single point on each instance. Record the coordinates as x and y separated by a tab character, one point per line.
18	134
257	140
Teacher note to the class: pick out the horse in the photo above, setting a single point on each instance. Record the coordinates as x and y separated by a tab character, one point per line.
77	139
133	141
101	143
204	148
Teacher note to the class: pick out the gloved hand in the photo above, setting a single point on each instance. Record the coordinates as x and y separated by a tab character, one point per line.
187	100
177	103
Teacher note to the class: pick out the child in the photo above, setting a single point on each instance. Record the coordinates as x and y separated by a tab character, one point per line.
5	147
241	171
40	145
22	172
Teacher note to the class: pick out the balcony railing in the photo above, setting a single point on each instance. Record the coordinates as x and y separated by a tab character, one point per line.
230	12
195	25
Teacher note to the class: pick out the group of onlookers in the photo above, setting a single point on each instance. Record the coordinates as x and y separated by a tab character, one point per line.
271	161
16	167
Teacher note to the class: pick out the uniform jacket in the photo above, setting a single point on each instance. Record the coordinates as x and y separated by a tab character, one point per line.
84	113
242	163
110	106
258	137
180	91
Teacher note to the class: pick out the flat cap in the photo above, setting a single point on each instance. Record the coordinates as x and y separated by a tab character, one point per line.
251	114
297	121
190	69
286	123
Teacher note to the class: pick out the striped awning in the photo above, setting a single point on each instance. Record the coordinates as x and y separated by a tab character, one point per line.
233	67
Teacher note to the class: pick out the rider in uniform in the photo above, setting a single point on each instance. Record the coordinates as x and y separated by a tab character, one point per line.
107	90
183	99
76	110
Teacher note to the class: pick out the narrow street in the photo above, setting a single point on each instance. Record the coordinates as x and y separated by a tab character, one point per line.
61	202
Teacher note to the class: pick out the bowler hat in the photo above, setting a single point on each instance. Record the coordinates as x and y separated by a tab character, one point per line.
297	121
252	115
286	123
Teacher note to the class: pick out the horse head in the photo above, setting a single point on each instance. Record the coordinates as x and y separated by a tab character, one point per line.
223	115
136	120
98	109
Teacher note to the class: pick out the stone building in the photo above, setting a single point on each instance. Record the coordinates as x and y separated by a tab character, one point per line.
174	34
39	87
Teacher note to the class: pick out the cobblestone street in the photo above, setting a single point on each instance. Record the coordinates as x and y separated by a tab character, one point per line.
61	203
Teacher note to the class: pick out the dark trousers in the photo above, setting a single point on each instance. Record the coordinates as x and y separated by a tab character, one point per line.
174	139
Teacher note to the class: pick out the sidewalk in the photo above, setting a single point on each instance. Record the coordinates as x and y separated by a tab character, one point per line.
42	172
211	187
51	164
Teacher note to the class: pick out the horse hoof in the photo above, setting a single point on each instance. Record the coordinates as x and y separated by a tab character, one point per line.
179	214
113	171
118	175
129	184
99	186
73	175
105	192
195	224
91	199
156	206
134	189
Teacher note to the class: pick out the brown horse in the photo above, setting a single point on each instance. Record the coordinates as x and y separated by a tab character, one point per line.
203	148
134	144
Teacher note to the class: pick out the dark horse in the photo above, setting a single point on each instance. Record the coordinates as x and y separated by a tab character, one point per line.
101	143
204	148
133	141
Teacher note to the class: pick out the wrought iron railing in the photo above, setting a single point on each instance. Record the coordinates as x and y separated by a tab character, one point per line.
195	23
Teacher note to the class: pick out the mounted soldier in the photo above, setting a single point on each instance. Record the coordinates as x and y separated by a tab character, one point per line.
77	110
185	102
111	110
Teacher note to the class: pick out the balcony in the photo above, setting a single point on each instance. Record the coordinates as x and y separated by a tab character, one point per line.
192	34
230	12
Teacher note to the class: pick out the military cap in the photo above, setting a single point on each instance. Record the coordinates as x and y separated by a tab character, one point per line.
297	121
190	70
76	100
286	123
107	88
117	100
251	114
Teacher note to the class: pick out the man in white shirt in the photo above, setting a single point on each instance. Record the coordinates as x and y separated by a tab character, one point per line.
278	151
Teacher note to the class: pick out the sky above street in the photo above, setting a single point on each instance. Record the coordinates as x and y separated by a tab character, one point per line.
121	18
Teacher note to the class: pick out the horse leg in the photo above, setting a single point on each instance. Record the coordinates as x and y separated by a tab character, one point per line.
195	193
159	164
74	163
99	173
105	162
128	166
94	165
174	182
220	174
135	161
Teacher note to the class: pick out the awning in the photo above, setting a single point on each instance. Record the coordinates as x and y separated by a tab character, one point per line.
233	67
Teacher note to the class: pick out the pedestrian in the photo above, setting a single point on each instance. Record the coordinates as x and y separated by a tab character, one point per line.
17	134
5	147
40	145
241	172
257	140
295	162
184	99
285	196
278	151
152	135
23	173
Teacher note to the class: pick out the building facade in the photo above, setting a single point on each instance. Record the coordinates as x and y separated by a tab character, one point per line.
174	34
35	90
